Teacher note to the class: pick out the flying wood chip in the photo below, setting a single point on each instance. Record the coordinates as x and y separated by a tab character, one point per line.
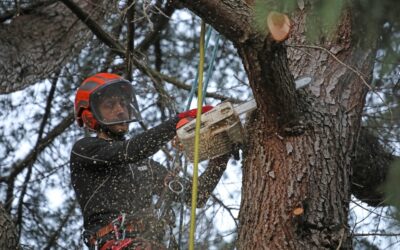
278	25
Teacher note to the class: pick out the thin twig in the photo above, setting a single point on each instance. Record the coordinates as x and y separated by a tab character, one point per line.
375	234
341	238
146	5
159	25
94	27
372	211
42	125
130	14
25	10
225	207
57	130
52	241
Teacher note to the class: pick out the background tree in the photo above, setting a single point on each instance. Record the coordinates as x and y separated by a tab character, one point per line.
8	235
305	155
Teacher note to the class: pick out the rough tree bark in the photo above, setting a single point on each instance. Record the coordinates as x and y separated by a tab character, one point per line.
296	174
40	40
8	234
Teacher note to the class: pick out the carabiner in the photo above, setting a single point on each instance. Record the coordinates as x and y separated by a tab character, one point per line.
179	189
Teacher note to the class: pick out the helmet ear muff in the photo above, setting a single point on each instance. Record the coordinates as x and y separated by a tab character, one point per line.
89	120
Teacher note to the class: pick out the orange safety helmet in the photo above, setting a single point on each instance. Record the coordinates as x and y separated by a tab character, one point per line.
96	89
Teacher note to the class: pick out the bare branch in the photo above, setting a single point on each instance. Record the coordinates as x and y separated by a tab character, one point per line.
160	24
56	131
231	18
27	10
19	166
53	238
130	15
40	134
94	27
27	57
220	202
375	234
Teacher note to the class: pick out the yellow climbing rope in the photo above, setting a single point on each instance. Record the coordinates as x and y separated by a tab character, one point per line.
197	138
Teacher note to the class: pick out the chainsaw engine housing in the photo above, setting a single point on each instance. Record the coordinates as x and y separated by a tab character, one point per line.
220	130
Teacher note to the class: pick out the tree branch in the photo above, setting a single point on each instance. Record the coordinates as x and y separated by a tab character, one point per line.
60	39
27	10
53	238
160	23
18	167
232	18
279	83
56	131
42	125
221	203
94	27
188	87
376	234
130	14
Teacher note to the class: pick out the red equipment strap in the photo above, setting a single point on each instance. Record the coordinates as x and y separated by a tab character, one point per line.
131	226
116	245
133	243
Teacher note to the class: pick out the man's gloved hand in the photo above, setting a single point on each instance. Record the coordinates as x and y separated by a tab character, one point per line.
189	115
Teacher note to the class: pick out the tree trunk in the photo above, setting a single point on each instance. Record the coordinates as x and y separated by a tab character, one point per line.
297	167
296	188
8	234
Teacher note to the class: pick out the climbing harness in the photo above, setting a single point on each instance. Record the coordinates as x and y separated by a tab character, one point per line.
115	235
125	231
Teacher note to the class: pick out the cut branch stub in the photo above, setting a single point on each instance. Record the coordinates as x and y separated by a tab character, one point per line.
299	211
278	25
298	217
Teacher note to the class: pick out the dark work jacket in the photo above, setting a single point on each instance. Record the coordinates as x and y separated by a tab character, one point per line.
111	177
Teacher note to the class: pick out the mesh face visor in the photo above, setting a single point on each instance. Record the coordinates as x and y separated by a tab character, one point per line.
114	104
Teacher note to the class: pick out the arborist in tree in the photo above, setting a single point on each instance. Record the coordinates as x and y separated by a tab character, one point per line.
114	178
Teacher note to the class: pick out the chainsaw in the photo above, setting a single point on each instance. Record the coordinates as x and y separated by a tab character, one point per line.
220	129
